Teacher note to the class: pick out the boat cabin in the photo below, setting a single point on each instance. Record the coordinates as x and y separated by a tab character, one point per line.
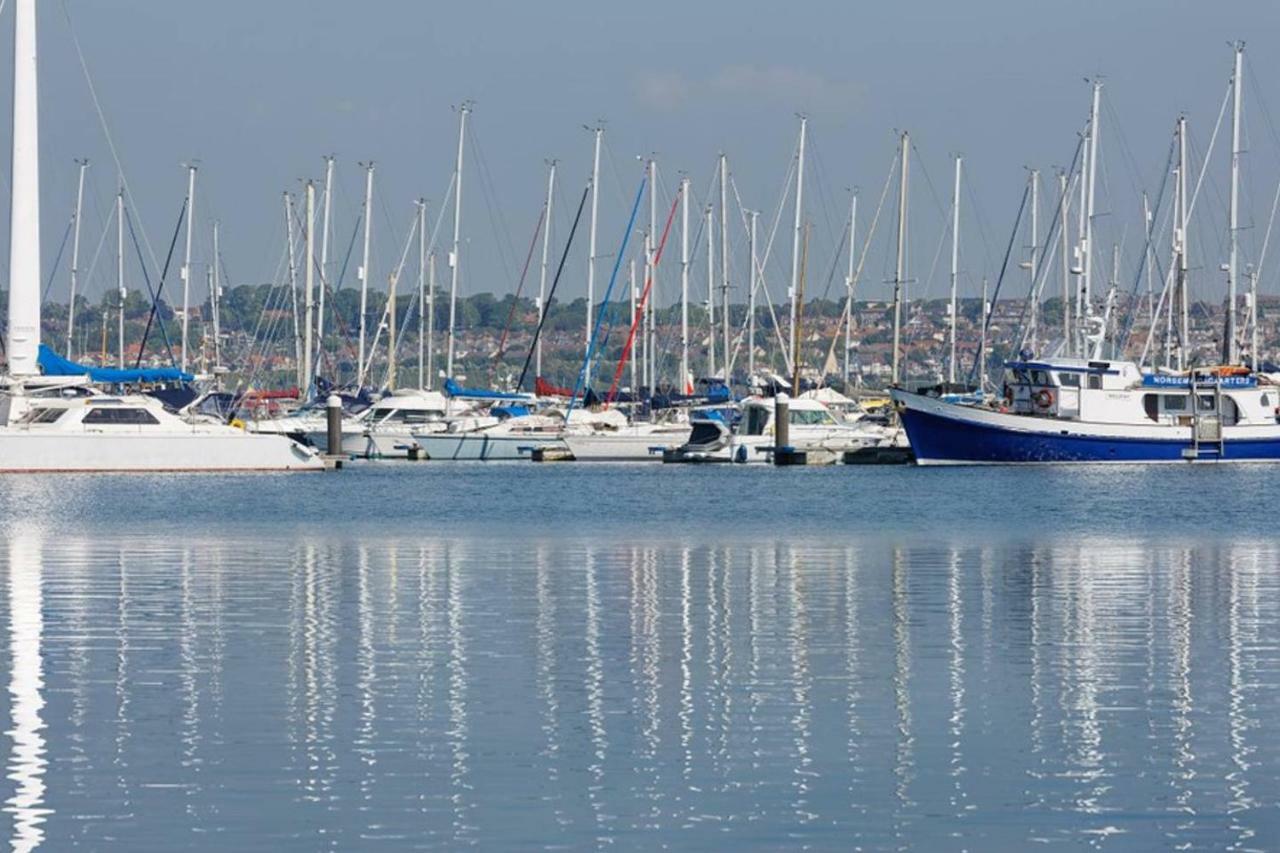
1118	392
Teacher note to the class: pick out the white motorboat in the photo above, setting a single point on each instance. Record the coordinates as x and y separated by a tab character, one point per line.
513	438
629	442
391	424
64	423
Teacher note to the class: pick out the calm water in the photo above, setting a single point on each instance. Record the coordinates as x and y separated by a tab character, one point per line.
573	657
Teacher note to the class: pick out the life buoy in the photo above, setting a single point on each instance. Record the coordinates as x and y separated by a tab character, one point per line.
1043	398
237	423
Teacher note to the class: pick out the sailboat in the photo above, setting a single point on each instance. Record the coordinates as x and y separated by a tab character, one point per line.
1086	408
64	423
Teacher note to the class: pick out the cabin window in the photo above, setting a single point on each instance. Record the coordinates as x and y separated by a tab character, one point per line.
1020	377
1040	377
1069	380
1206	402
1266	401
1230	412
757	417
41	416
1095	381
410	416
1151	405
815	417
120	417
1175	403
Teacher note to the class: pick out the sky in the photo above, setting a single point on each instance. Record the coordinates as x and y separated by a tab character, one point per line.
257	92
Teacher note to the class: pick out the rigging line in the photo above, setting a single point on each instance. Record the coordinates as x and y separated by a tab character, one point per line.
155	294
533	244
497	220
760	265
1208	154
1004	266
546	310
387	306
1053	231
644	298
613	278
102	121
1147	251
980	217
862	256
57	260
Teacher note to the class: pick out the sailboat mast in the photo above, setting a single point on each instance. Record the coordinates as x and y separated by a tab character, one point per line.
631	280
422	292
711	292
1033	261
455	253
598	131
796	237
900	270
120	289
364	272
848	286
1231	351
324	255
75	260
1064	233
308	298
684	283
431	320
1086	239
724	259
215	296
546	257
24	206
751	300
1181	246
293	289
186	262
650	360
955	266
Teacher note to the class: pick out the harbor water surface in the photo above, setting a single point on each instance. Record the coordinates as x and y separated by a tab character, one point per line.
517	657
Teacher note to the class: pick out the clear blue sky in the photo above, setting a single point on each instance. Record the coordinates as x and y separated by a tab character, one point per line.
258	91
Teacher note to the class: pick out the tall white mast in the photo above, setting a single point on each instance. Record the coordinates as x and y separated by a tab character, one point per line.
684	284
546	258
308	298
631	282
591	243
1232	348
120	288
215	296
24	202
1086	238
724	259
422	293
364	271
711	292
75	260
650	361
454	254
900	268
848	285
431	320
1033	261
751	299
324	255
186	262
795	242
1064	232
955	266
1181	244
293	290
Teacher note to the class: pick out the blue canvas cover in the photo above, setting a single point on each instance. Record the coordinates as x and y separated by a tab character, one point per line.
53	364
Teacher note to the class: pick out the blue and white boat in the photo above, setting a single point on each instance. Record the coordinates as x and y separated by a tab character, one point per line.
1081	410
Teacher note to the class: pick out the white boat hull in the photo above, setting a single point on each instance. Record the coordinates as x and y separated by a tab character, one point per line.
23	451
479	446
623	447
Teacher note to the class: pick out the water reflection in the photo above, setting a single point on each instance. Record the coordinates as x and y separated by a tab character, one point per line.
27	762
344	694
